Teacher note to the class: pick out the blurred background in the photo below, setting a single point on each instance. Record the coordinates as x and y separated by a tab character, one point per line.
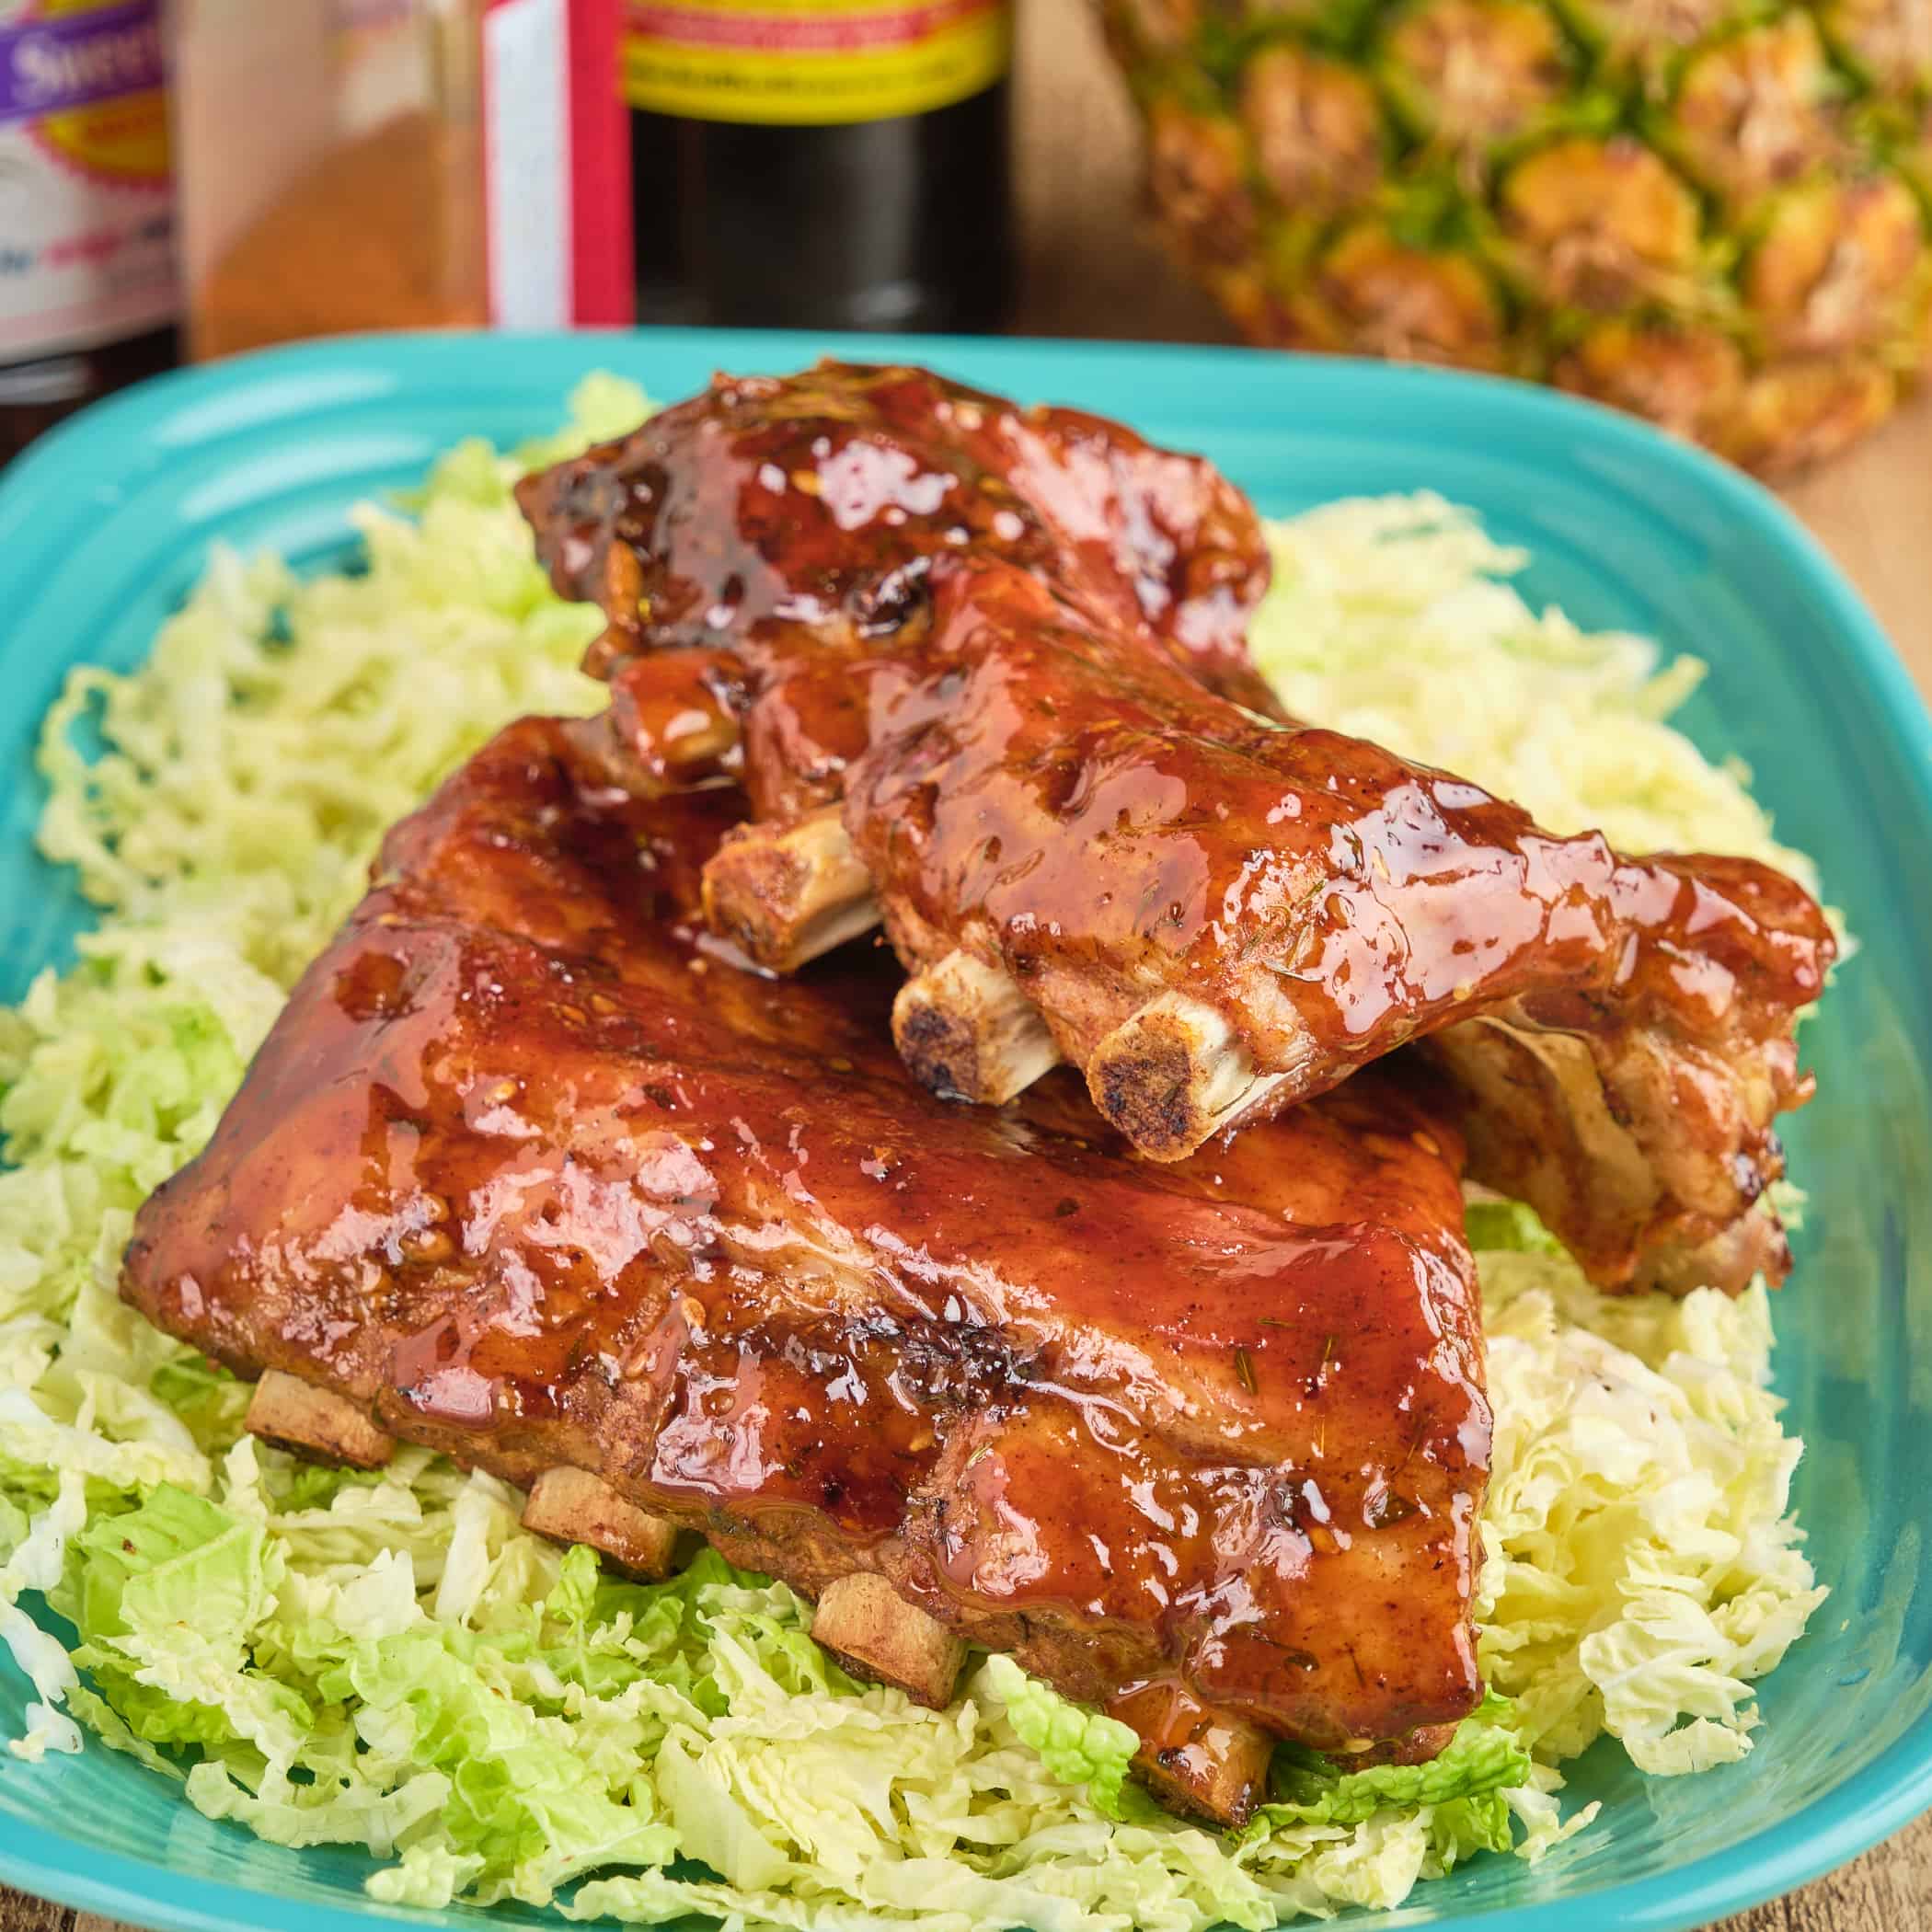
1717	213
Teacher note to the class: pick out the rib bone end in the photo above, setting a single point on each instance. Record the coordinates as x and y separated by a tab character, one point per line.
1427	1741
870	1629
1193	1759
785	894
965	1027
314	1422
573	1506
1173	1076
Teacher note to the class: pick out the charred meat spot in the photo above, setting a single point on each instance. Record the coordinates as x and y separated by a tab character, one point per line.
1383	1505
886	604
955	1365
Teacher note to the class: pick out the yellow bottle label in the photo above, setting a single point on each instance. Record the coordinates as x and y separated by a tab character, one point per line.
802	62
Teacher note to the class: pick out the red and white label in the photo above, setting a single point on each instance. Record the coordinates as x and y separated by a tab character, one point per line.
557	187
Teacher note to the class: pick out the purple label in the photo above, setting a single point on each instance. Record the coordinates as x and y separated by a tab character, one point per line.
76	59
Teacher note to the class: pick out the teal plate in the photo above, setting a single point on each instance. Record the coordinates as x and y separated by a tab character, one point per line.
103	527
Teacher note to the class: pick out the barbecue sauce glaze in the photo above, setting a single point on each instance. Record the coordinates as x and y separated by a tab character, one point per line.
532	1177
985	631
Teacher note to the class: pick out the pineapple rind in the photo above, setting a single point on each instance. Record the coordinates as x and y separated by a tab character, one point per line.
1742	241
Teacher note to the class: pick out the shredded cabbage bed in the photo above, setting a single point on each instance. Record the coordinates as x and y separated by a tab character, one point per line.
389	1661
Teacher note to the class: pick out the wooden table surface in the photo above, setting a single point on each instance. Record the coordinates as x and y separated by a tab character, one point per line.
1089	269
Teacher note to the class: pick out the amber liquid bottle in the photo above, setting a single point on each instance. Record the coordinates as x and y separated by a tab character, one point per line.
824	164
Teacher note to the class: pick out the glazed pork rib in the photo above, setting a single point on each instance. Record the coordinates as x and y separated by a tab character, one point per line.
1081	855
1022	732
770	523
523	1175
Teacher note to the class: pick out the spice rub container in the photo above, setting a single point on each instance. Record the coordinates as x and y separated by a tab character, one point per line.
398	164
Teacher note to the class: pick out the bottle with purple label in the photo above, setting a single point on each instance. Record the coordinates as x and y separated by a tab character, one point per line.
88	292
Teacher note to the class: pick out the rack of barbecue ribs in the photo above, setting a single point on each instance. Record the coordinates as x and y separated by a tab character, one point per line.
528	1172
593	1151
981	673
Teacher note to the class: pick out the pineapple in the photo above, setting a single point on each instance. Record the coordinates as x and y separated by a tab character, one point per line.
1717	213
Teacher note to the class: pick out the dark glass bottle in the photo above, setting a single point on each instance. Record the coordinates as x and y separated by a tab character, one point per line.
898	221
36	395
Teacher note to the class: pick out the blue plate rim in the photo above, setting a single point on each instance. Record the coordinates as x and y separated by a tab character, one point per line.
1875	1801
